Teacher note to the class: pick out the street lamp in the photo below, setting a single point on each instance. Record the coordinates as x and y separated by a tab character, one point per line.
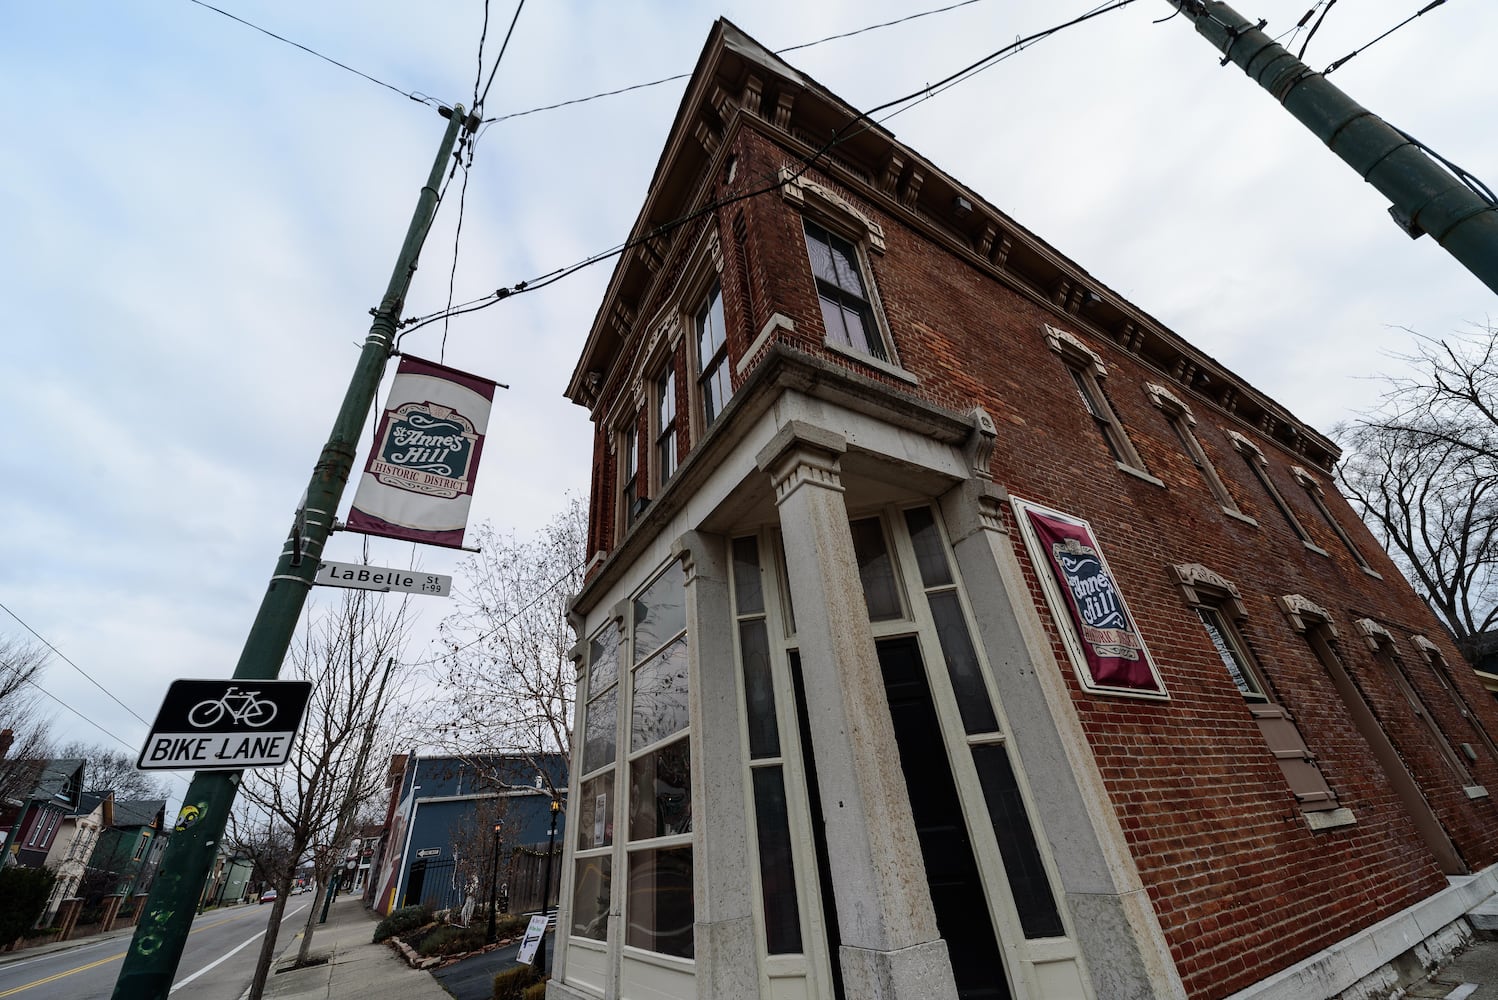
551	847
493	883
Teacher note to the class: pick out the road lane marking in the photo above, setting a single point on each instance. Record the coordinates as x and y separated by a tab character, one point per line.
105	961
230	953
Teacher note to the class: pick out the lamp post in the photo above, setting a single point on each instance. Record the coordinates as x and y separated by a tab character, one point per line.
551	848
494	884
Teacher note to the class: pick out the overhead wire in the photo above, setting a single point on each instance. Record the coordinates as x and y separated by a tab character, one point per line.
842	134
1339	62
683	76
42	639
416	96
1315	28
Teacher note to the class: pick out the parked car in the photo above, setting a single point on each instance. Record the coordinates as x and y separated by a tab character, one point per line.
268	896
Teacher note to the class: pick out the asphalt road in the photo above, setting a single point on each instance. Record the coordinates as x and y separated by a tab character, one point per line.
473	978
218	962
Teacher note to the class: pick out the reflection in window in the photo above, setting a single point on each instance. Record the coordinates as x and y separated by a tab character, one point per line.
599	731
659	909
777	874
591	883
880	591
1227	650
593	813
660	612
660	792
665	425
1011	825
712	357
759	689
660	697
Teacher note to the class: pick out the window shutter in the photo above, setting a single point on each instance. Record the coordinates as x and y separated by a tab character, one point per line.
1295	760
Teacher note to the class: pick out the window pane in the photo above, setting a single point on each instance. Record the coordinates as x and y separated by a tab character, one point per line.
777	874
880	591
832	319
973	703
860	331
845	260
603	660
748	592
1242	677
710	334
599	730
785	588
659	911
820	252
660	612
715	390
1011	825
759	689
660	792
595	812
930	555
660	703
590	897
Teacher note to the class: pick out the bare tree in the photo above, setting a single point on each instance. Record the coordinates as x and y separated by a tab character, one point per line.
349	654
1422	470
22	717
507	682
481	840
115	770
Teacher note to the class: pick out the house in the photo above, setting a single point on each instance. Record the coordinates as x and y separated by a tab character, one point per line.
956	629
31	821
74	844
442	814
127	852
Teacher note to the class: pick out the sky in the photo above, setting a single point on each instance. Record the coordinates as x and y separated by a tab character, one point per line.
195	219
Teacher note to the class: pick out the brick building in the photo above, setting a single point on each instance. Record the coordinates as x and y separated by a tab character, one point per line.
956	629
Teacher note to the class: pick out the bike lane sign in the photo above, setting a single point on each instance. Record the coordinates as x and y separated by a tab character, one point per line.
225	725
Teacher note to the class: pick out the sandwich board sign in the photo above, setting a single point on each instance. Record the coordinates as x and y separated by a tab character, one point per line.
225	725
533	935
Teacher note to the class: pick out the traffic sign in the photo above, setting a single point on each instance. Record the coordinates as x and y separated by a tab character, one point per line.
429	852
534	932
352	575
225	725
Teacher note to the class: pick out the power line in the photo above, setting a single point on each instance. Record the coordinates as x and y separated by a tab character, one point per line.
413	95
1315	28
504	624
683	76
841	135
1428	7
75	666
479	102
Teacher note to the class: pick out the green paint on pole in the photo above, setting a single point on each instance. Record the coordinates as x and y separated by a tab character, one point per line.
151	963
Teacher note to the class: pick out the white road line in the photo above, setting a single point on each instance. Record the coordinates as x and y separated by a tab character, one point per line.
230	953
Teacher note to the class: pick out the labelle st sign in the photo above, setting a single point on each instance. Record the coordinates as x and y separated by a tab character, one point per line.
225	725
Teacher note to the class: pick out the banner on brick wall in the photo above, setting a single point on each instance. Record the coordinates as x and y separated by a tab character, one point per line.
1105	645
418	482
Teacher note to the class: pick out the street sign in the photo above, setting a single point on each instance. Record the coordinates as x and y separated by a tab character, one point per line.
352	575
533	935
225	725
429	852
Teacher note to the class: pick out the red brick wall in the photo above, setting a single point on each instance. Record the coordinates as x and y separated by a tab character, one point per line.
1241	885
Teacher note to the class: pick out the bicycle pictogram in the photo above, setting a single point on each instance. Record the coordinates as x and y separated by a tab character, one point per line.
237	706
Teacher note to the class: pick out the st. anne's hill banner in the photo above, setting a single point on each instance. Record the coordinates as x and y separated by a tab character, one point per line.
418	482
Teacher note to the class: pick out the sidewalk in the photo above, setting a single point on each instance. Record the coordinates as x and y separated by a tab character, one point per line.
356	969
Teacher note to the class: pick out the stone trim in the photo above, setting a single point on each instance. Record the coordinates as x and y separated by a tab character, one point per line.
1169	402
1070	347
1305	479
778	321
802	454
1305	614
1193	578
1374	634
978	449
795	188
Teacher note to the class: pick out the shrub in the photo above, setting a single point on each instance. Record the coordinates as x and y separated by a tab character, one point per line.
512	984
23	896
446	939
536	991
508	925
407	918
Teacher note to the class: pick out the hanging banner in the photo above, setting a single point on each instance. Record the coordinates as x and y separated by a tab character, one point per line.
1106	648
418	482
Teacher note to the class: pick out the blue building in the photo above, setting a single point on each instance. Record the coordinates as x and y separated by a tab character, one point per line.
441	843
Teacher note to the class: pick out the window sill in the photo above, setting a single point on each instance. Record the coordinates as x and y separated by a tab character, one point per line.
1313	547
1476	792
779	321
1330	819
1372	572
1139	474
1238	515
868	359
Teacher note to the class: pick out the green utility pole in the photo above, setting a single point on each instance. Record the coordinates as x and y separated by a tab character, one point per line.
1426	197
160	934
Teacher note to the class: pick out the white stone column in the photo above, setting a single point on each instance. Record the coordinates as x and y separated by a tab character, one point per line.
726	949
890	945
1122	944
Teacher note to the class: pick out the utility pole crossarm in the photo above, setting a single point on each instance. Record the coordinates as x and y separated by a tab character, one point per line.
1425	197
